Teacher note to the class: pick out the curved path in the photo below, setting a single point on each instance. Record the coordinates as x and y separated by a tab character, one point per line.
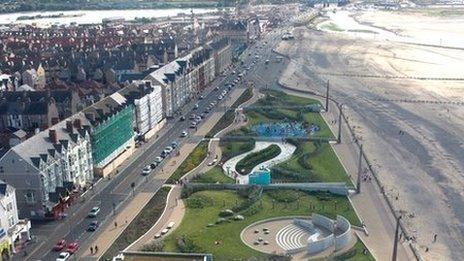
287	150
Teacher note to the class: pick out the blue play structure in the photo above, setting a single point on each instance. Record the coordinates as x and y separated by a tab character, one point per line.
280	129
260	177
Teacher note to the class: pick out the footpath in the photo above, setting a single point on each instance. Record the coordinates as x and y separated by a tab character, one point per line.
133	206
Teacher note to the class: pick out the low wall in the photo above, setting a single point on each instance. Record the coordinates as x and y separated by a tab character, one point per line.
325	222
304	224
335	188
320	245
342	240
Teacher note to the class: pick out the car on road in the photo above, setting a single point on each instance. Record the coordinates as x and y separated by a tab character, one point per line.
59	245
216	88
182	118
184	134
63	256
201	97
93	226
73	247
146	170
158	160
174	144
168	149
94	212
196	106
212	162
153	165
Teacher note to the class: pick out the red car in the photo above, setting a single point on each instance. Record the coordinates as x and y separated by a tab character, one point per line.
60	245
73	247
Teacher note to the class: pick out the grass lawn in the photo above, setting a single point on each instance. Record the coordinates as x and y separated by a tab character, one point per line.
251	160
311	162
231	149
356	254
193	159
274	110
141	224
214	175
203	208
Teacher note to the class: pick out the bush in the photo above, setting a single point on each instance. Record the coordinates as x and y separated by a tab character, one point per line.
194	159
284	195
226	213
155	246
199	201
253	159
187	245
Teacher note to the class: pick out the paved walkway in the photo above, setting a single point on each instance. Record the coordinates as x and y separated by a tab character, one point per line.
173	212
370	205
132	207
286	153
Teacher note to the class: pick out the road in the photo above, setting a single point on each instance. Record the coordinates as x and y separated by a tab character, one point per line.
109	194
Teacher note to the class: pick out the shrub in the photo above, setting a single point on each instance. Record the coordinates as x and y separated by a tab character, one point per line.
253	159
199	201
155	246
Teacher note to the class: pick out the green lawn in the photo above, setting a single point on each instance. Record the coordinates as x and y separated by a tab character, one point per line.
203	208
251	160
214	175
141	224
311	162
193	159
278	107
231	149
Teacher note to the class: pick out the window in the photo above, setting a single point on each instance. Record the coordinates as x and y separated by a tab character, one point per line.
9	207
30	198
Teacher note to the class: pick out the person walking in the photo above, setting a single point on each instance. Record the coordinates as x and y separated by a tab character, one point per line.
91	250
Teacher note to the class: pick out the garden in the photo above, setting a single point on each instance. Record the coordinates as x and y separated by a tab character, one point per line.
214	219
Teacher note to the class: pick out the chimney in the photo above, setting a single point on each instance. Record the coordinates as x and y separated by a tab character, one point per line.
148	84
55	120
69	126
52	136
77	124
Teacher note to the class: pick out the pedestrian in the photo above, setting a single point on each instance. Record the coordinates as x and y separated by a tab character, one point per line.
96	249
91	250
115	224
435	238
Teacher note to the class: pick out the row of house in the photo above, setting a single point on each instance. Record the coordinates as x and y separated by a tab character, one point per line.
49	169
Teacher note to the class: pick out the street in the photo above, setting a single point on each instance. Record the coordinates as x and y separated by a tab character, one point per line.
110	194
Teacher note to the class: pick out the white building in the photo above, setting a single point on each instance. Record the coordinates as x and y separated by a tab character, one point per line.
182	78
47	167
14	232
148	107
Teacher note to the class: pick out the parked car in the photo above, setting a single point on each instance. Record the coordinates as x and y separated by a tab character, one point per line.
163	154
153	165
158	160
168	149
174	144
146	170
192	116
220	97
182	118
63	256
184	134
93	226
94	212
201	97
193	125
73	247
196	106
60	245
